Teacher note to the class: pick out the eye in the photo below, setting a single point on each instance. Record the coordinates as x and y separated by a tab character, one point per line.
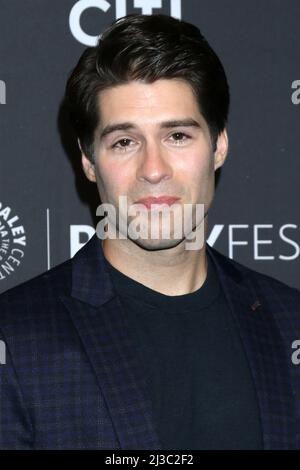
122	144
180	137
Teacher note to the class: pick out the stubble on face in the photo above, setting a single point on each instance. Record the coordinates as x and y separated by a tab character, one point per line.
153	165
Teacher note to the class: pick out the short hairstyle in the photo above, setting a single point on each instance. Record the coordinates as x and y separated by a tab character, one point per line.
146	48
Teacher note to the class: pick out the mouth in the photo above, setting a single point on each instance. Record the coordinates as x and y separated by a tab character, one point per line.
149	201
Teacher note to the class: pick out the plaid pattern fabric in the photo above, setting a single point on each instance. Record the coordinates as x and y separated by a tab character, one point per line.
72	380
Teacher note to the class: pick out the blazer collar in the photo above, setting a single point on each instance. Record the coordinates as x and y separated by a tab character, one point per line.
101	324
90	280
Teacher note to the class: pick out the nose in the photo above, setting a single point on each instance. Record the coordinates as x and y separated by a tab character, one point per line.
153	165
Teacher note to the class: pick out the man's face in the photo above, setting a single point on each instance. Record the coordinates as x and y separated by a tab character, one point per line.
153	141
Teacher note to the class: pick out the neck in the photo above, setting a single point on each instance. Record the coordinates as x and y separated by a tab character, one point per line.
172	271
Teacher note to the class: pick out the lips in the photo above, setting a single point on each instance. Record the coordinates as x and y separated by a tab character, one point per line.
148	201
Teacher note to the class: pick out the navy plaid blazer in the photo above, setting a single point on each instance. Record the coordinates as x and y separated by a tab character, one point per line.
72	379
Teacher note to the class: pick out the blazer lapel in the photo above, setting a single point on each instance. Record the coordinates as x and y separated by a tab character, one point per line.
265	351
101	324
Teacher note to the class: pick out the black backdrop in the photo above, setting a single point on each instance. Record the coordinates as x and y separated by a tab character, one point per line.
47	206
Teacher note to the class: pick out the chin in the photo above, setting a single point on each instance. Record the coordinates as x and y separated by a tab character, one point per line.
156	244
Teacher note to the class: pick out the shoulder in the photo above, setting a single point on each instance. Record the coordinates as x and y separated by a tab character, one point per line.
38	296
263	283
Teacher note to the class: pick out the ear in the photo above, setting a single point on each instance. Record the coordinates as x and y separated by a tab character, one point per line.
221	151
87	165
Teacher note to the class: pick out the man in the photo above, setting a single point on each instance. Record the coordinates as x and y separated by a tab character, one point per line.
142	342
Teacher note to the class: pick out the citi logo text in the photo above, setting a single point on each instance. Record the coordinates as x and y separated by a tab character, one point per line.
145	7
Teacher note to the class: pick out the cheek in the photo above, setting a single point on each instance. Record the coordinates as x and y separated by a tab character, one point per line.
197	170
112	179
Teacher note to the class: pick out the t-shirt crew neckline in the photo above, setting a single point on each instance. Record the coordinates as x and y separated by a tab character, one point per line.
201	298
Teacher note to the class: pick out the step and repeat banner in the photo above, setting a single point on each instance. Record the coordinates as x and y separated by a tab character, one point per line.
48	207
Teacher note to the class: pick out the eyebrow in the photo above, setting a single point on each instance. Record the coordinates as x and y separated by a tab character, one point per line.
125	126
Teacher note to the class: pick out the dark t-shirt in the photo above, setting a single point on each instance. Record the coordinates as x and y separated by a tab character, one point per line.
198	377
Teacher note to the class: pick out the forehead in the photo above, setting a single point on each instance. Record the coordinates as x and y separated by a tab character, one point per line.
162	99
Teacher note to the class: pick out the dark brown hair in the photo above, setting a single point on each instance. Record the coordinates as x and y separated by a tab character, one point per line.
147	48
